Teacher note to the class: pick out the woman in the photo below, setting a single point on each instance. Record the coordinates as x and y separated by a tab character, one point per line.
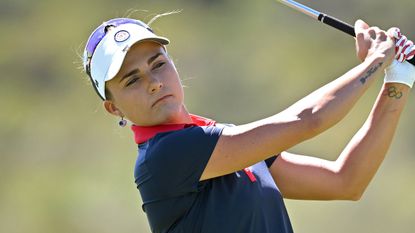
198	176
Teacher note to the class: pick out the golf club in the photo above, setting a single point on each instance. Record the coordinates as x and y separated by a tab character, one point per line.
324	18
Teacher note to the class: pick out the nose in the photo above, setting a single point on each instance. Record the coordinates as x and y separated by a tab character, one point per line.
155	85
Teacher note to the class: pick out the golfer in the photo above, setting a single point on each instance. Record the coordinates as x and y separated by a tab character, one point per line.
195	175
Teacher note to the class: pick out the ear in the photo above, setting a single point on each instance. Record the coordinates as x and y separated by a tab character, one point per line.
111	108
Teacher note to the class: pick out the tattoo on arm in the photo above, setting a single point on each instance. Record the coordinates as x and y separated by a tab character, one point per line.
392	92
370	72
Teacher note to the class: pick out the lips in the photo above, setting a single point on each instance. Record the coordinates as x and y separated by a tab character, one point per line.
161	99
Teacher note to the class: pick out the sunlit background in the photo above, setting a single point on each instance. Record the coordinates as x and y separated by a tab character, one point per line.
66	166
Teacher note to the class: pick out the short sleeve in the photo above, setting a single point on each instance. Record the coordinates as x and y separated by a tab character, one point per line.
177	159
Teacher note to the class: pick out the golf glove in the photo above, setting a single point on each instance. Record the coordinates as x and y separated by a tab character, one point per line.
404	48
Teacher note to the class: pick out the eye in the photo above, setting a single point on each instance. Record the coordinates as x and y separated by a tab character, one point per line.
158	65
132	80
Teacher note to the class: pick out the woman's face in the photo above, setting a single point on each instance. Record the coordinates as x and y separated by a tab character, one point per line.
147	89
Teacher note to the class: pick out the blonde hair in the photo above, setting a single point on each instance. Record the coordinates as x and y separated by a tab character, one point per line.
161	15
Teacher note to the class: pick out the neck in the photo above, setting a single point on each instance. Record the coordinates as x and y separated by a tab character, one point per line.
182	117
185	116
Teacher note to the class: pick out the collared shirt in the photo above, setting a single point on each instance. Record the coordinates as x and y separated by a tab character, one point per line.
167	173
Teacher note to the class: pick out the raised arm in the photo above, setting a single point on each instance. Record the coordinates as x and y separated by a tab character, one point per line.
302	177
242	146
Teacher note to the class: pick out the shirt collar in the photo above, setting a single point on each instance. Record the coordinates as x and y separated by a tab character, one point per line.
144	133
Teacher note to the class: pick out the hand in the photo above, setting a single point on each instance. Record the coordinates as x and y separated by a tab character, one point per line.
374	41
401	71
404	48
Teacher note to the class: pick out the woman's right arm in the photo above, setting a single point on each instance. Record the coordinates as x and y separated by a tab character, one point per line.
242	146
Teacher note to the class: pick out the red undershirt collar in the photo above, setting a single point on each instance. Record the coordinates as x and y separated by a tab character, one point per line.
144	133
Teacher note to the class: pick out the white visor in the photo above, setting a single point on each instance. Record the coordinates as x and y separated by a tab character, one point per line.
112	49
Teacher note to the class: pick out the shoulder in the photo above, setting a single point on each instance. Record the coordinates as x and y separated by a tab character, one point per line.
171	140
182	144
175	160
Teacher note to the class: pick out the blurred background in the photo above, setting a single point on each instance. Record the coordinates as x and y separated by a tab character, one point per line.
66	166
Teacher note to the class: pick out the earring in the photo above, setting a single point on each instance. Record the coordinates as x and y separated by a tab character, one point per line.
122	122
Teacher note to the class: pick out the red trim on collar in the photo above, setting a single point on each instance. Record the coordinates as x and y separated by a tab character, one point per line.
144	133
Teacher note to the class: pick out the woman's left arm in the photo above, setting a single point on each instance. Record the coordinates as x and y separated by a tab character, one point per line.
303	177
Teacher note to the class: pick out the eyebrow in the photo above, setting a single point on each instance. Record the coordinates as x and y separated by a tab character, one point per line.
129	74
149	61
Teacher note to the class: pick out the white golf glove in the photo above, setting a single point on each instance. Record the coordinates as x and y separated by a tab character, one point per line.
400	71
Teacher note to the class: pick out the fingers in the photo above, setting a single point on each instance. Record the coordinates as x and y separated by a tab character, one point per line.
360	26
394	32
377	34
404	48
368	39
362	42
362	46
380	34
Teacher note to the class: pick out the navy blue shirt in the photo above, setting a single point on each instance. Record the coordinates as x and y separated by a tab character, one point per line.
167	174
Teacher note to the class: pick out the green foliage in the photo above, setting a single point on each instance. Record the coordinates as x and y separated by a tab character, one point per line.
66	167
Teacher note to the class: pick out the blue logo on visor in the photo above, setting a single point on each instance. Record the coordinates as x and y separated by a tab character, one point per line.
121	36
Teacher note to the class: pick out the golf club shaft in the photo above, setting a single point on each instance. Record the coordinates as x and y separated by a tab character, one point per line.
327	19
